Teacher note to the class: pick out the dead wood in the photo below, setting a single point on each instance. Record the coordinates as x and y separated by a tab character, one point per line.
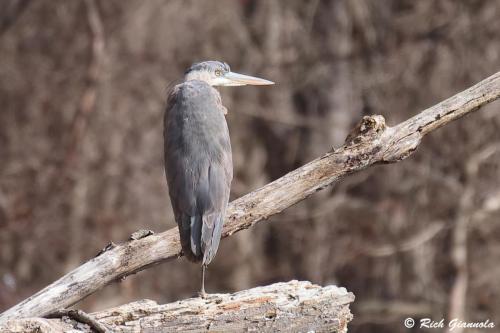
371	142
282	307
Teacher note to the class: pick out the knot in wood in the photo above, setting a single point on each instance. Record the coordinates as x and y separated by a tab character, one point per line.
140	234
368	129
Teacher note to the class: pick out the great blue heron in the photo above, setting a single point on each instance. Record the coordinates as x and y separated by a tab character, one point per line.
198	162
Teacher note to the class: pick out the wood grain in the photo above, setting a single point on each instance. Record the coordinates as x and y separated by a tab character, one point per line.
371	142
282	307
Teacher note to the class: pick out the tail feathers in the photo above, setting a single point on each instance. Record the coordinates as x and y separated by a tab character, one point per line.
196	225
190	231
210	235
200	236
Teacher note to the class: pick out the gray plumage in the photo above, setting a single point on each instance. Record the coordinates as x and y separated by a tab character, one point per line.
198	161
198	166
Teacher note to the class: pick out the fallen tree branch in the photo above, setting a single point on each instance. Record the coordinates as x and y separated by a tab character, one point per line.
282	307
371	142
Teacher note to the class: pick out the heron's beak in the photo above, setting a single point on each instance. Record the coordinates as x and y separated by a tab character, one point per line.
235	79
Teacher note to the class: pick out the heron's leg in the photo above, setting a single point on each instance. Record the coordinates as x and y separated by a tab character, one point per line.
203	294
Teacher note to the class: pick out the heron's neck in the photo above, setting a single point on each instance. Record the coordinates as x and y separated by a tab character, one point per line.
200	76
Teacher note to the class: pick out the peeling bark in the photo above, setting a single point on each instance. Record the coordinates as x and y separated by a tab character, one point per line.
282	307
371	142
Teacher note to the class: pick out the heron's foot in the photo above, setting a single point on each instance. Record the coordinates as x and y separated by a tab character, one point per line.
81	317
203	294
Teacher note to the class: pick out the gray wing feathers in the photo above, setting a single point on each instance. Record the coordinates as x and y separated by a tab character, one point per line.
216	203
210	235
195	226
198	166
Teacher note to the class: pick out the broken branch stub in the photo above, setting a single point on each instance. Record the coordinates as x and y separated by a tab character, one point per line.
371	143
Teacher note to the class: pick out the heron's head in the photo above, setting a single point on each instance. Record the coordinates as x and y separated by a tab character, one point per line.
217	73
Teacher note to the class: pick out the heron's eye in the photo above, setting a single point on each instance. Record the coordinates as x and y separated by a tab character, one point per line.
218	72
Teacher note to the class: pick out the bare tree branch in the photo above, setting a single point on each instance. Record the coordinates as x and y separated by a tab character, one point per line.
87	104
371	142
459	248
11	12
409	244
282	307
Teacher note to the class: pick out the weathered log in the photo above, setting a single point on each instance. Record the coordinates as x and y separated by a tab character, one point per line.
371	142
282	307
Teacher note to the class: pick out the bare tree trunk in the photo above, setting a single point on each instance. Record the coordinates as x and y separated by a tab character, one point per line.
371	142
282	307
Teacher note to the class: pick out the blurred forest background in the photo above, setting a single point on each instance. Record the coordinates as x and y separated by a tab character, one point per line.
83	86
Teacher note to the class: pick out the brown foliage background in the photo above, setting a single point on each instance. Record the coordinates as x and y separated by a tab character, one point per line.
82	90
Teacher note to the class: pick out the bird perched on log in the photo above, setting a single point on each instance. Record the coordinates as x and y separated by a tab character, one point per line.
198	161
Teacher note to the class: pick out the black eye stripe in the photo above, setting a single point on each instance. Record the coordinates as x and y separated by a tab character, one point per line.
212	66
